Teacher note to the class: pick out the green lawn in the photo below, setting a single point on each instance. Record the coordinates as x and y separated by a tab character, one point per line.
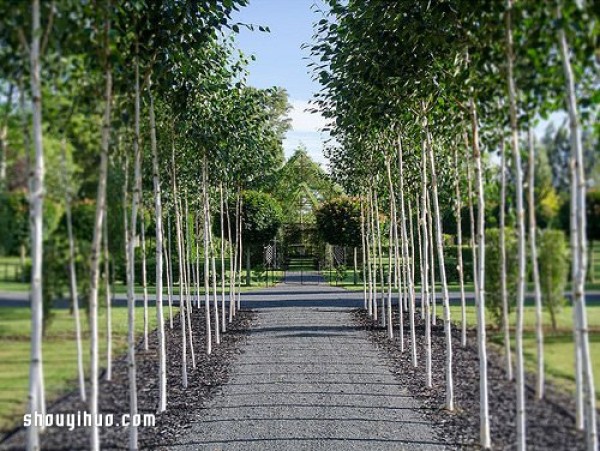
59	352
558	346
120	287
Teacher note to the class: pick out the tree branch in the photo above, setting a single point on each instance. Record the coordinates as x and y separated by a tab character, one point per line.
23	40
46	36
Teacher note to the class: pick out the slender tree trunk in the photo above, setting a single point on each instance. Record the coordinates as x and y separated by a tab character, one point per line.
422	257
182	307
206	261
232	260
473	240
133	408
410	275
368	256
144	273
380	257
4	137
503	287
36	208
240	253
442	266
158	210
107	297
512	91
222	223
169	269
214	279
539	331
431	261
484	419
459	252
187	240
394	245
197	231
375	254
580	253
27	151
579	403
425	265
73	271
411	255
364	250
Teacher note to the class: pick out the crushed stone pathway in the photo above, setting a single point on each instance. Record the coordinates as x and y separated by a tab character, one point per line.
308	379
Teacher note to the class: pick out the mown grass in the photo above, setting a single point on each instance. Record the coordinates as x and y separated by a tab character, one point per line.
559	351
59	354
347	281
9	284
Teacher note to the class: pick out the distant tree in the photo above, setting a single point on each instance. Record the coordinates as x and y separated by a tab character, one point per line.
338	222
301	176
558	148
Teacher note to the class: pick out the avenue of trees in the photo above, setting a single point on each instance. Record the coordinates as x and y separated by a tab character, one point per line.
127	133
432	107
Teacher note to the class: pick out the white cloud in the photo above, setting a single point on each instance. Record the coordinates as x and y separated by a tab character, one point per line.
303	120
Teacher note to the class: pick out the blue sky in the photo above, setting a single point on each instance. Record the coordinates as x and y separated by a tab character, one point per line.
280	61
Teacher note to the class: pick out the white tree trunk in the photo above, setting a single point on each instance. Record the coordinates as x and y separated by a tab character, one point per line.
364	251
539	325
240	254
222	223
36	204
160	323
411	255
442	267
144	272
459	253
369	257
73	271
520	212
425	265
187	239
169	269
107	297
380	258
213	267
4	136
579	402
133	436
393	247
503	287
421	256
473	240
232	260
580	252
410	272
180	258
431	261
484	418
206	261
374	253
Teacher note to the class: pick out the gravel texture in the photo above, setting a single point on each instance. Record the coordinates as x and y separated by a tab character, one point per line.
308	379
550	422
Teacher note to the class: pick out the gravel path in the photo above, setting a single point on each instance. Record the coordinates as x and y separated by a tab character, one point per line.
308	379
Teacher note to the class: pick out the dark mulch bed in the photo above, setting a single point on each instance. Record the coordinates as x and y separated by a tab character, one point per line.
550	422
183	404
